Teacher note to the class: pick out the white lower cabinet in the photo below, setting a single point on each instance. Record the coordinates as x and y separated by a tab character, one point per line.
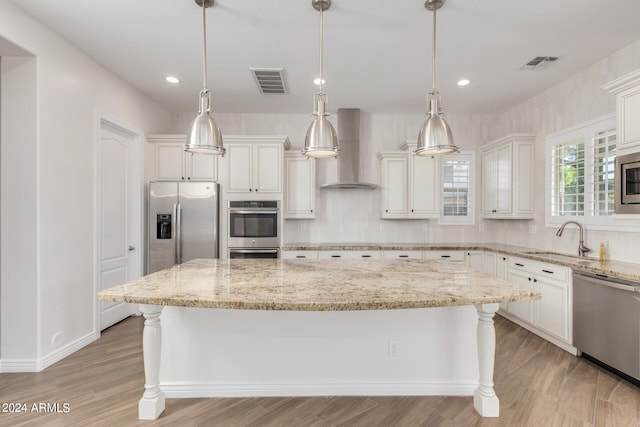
349	254
475	260
299	254
394	254
449	255
553	313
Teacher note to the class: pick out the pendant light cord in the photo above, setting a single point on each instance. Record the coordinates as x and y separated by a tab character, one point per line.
204	48
433	59
321	45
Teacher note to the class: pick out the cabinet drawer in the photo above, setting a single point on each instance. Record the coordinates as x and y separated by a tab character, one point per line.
446	255
545	269
402	254
349	254
299	254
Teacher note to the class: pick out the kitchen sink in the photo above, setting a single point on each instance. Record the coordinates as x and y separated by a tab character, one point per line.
561	257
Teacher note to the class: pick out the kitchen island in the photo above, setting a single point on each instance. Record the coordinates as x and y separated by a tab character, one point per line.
275	303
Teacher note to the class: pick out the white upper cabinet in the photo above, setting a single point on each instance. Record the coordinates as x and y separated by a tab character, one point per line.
299	186
254	164
409	184
627	91
172	163
507	177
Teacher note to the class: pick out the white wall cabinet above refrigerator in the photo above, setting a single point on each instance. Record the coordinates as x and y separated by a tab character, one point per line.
299	186
507	177
627	91
254	164
172	163
409	184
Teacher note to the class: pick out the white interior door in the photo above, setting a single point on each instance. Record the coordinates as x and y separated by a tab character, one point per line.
119	208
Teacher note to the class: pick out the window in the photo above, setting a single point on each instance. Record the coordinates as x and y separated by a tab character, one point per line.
456	202
580	178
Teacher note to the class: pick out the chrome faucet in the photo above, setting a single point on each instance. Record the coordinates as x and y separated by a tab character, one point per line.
582	249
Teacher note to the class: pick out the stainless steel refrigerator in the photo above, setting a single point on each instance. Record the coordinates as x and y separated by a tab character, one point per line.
183	222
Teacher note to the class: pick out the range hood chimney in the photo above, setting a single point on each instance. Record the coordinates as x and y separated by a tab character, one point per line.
348	161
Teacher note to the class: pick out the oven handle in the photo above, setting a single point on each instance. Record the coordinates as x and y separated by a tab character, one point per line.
257	211
254	251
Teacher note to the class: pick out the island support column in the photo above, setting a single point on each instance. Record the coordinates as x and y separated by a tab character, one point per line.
152	403
485	400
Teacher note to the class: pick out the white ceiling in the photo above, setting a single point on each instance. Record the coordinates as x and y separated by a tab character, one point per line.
377	52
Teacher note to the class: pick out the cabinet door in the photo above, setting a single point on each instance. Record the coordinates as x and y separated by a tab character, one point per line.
201	167
628	113
489	261
524	184
394	187
489	182
502	266
424	187
474	260
299	197
552	311
169	162
267	168
503	175
521	309
239	167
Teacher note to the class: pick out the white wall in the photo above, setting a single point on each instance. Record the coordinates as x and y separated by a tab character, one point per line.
58	266
353	215
571	102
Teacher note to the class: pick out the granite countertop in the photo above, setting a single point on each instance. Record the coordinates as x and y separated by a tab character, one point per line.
317	285
616	269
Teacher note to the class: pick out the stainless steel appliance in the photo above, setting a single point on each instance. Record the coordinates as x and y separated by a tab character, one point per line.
606	321
627	194
254	229
183	222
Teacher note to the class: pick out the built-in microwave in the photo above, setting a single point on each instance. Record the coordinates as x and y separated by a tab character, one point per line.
627	194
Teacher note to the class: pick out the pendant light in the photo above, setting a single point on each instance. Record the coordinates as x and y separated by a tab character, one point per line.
204	136
435	135
321	139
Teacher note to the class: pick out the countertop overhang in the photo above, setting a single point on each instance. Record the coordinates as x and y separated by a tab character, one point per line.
317	285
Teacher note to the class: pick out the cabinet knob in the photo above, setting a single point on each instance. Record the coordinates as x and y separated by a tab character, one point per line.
182	178
251	189
386	210
256	190
535	280
529	278
411	210
311	210
188	178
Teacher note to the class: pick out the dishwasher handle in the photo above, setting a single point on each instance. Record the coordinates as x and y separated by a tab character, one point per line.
620	284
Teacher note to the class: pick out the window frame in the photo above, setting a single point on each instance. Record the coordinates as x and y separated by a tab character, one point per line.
470	217
584	131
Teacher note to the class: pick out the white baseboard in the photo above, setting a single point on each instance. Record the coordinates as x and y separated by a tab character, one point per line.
39	364
434	388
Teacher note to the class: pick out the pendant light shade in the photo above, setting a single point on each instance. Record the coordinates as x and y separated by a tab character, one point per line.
435	135
321	139
203	135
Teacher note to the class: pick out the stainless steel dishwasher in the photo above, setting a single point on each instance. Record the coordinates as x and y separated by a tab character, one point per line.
606	321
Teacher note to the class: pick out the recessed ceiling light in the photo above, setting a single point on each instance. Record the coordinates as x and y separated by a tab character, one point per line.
317	82
463	82
172	79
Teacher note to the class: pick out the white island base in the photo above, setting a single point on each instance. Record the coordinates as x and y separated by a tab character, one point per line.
202	352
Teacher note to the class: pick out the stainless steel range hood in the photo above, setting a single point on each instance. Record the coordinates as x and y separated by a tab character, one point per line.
348	161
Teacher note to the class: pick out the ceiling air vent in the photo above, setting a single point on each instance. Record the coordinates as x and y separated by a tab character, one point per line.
269	80
539	62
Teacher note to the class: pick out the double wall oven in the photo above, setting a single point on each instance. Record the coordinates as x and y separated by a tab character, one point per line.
254	229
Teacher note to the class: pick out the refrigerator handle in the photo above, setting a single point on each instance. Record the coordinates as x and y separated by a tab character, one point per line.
174	233
178	234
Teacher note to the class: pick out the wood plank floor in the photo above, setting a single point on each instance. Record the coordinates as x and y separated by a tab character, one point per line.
537	383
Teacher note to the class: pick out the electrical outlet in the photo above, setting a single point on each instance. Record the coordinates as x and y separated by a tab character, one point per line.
394	347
